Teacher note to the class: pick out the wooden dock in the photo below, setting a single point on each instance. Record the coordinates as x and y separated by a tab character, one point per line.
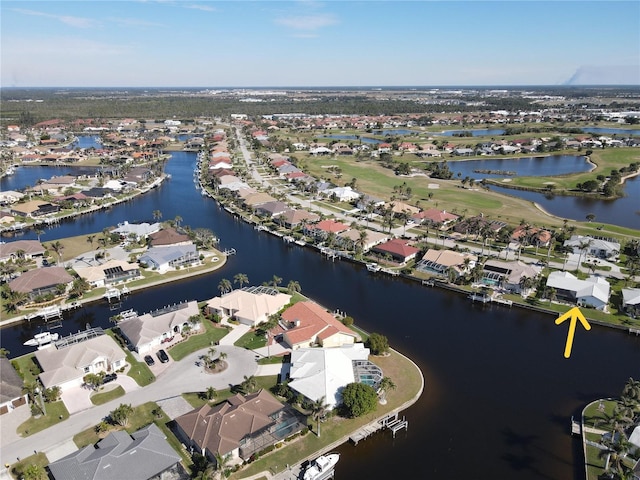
576	428
391	421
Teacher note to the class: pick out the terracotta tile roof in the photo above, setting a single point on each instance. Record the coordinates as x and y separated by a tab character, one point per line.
311	321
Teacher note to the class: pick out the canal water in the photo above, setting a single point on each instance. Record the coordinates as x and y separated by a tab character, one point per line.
499	394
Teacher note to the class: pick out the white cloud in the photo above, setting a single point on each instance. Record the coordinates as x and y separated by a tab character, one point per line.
133	22
199	6
77	22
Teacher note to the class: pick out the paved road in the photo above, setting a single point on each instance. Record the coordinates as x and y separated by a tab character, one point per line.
179	377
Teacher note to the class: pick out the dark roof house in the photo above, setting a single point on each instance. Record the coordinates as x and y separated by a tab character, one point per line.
143	455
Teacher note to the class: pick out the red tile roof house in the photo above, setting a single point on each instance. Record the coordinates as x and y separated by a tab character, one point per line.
322	229
399	249
238	427
310	324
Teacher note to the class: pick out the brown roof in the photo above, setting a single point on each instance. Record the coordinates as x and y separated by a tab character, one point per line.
40	278
168	236
397	246
29	247
220	429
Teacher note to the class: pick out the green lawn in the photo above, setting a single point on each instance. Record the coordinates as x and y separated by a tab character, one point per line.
27	367
404	374
142	416
104	397
56	413
211	336
251	341
16	470
139	371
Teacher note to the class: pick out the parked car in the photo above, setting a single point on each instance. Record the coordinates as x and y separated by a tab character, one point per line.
162	356
109	377
149	360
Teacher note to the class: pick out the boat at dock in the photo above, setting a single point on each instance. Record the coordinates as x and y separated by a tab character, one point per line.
373	267
42	340
322	467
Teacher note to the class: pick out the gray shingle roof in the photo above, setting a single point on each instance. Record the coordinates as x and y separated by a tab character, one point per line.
138	456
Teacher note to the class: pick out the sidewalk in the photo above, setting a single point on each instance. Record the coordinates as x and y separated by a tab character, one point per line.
234	335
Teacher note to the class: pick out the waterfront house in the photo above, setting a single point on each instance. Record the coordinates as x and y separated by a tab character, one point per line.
249	306
12	394
271	209
398	249
631	301
508	275
238	427
28	249
10	196
322	373
597	247
168	237
167	257
142	455
65	367
147	332
136	230
593	292
349	239
321	230
34	208
41	281
257	198
307	324
292	218
441	262
109	273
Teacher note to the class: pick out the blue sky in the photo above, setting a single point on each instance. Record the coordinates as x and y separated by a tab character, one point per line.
149	43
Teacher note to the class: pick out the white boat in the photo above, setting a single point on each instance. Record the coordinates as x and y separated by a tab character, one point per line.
322	467
41	340
302	243
373	267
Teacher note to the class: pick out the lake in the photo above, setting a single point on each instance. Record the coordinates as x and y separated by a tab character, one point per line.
523	167
499	393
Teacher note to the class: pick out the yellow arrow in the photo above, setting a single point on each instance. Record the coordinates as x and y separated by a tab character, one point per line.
574	314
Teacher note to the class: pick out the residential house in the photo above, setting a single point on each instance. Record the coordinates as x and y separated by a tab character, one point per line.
12	394
66	366
272	209
147	332
322	373
258	198
136	230
342	194
168	257
308	324
41	281
441	262
524	234
109	273
398	249
593	292
238	427
249	306
292	218
10	196
631	301
434	217
597	247
508	275
321	230
168	237
34	208
27	249
351	238
142	455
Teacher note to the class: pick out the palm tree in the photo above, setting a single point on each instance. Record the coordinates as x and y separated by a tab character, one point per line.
14	299
584	247
39	232
275	281
249	384
386	384
293	287
157	215
221	464
90	239
178	220
57	247
241	279
318	409
224	286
